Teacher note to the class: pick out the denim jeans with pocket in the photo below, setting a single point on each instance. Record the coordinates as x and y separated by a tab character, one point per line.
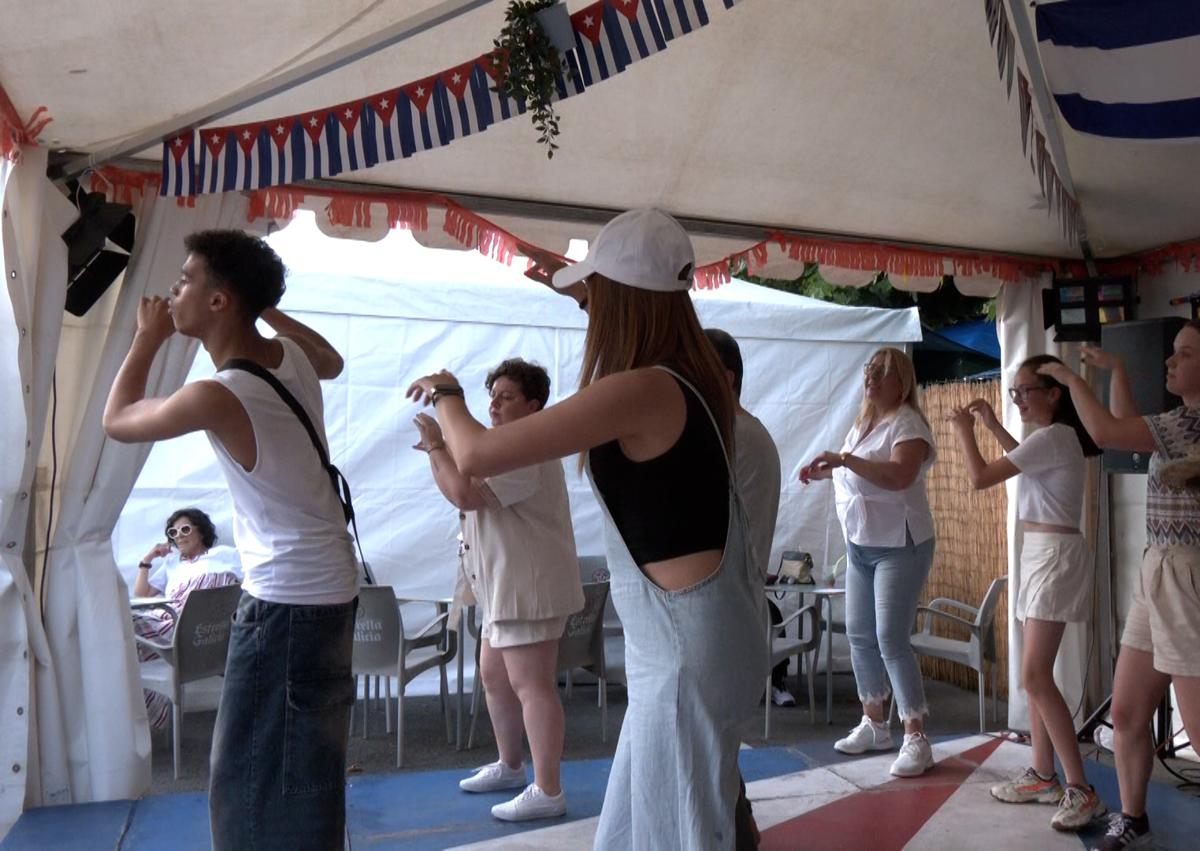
279	747
883	589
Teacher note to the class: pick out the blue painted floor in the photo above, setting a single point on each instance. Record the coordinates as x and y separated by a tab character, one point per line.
426	810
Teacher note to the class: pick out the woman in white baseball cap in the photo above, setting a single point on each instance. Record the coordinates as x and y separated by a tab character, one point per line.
653	419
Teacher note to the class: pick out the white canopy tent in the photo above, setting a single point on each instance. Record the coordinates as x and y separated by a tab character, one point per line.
849	121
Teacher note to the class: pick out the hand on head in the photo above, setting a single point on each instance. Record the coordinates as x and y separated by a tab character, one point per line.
421	390
153	319
1098	358
1059	372
820	467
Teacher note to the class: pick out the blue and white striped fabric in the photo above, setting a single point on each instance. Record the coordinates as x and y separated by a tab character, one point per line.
1127	69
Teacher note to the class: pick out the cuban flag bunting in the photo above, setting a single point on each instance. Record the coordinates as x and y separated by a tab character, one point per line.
348	153
633	31
280	149
417	118
592	50
484	82
1127	69
680	17
212	159
179	164
382	133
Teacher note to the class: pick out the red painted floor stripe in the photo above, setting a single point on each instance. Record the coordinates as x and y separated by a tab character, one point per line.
883	818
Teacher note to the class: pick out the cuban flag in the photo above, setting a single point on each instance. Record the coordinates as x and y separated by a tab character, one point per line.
613	34
460	112
212	159
310	154
179	164
680	17
1127	69
484	81
278	170
417	118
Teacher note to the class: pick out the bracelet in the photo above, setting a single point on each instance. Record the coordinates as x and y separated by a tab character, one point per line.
144	565
440	390
843	456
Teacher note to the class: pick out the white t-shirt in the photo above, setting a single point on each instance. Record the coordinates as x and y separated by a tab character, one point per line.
758	478
287	523
1053	469
872	516
170	572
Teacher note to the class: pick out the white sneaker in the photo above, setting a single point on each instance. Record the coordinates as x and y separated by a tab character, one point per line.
533	803
782	697
916	756
494	778
867	736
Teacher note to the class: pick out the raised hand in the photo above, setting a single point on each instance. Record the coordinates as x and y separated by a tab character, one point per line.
421	390
154	320
961	418
158	551
983	410
1059	372
429	431
820	467
1099	358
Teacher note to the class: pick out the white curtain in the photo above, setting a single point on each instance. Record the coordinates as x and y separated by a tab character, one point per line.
35	274
86	608
1019	325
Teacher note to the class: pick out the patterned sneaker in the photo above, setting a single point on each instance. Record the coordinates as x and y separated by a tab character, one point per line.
916	756
1027	788
867	736
494	778
533	803
1079	806
1125	832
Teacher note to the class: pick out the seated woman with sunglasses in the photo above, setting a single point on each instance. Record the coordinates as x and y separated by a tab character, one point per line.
187	560
1057	573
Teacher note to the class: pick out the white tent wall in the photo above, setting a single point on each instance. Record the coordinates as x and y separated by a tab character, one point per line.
395	320
34	270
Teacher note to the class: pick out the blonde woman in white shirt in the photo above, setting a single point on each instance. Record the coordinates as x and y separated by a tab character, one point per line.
879	485
1056	572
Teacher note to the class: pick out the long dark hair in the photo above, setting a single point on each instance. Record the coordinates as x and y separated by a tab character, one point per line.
1064	411
202	522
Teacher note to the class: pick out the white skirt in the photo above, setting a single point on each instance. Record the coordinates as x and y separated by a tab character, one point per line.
1057	577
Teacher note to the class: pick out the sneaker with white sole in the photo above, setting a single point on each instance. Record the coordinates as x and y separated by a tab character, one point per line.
916	756
867	736
1029	787
494	777
1080	804
782	697
532	803
1125	832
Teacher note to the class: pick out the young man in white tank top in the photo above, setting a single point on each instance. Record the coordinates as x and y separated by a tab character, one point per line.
279	748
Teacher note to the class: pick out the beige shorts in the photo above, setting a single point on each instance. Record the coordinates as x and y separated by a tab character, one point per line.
1057	577
516	633
1164	619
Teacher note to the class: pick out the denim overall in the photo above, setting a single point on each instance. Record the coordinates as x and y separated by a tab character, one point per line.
695	665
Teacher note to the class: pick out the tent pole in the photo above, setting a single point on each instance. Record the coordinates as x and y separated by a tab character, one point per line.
1041	94
271	86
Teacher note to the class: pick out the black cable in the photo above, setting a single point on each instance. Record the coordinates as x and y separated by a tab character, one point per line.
53	480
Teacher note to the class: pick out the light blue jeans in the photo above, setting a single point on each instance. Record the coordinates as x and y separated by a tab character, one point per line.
883	589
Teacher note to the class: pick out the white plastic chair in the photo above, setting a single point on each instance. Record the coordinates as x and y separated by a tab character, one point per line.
780	647
196	651
383	649
978	648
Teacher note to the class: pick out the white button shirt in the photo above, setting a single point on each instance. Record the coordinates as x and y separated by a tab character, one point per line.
872	516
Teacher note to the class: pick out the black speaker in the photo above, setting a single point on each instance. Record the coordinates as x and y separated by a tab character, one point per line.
91	240
1144	345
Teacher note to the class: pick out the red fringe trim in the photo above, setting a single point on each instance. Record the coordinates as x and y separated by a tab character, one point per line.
410	210
15	133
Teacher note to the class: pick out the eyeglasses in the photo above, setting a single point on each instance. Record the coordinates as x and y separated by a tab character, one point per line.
179	531
1020	394
874	370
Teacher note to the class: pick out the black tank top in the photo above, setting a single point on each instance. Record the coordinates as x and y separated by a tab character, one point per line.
672	505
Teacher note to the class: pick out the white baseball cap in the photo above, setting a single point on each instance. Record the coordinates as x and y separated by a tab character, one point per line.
644	248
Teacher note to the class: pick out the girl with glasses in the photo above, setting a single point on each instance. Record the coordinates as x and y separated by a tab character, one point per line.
879	487
1162	629
188	559
1056	571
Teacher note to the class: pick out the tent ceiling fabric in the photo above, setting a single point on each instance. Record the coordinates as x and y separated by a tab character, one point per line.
879	120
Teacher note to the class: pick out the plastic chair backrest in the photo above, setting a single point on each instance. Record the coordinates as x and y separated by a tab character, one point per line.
582	642
595	569
986	619
377	628
201	637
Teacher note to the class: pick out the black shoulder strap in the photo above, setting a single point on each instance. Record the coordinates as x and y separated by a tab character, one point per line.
341	487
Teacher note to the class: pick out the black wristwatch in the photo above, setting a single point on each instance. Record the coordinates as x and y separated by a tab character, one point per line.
441	390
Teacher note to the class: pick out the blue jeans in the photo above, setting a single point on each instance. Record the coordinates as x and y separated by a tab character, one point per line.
279	747
883	589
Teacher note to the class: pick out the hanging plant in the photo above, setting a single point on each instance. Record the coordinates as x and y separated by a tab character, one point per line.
530	62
